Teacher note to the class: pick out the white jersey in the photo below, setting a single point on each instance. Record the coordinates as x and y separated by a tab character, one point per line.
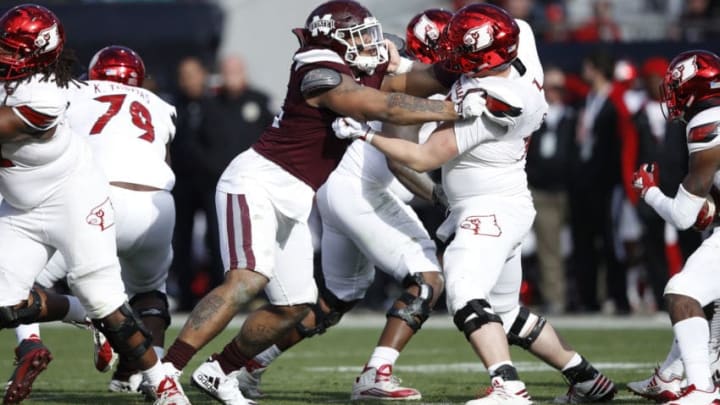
31	171
492	150
128	128
364	161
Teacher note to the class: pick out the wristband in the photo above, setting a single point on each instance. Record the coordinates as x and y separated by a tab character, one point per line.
369	135
404	66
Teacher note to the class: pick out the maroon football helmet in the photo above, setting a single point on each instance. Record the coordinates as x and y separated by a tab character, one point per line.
349	29
117	64
424	35
481	37
31	36
692	77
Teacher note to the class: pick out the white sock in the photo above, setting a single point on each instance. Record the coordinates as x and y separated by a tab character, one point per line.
493	368
159	351
692	336
76	312
23	332
383	355
574	361
268	355
673	364
154	374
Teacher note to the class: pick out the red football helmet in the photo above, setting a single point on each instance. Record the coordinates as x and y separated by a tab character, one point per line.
692	77
349	29
117	64
425	37
481	37
31	37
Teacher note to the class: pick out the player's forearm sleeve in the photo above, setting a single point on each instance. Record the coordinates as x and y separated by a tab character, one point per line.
680	211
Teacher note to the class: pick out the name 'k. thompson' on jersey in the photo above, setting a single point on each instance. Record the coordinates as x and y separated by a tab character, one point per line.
128	128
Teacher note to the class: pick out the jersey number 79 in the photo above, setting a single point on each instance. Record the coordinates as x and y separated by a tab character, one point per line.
140	116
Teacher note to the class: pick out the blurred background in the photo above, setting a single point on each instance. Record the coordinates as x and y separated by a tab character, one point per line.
595	247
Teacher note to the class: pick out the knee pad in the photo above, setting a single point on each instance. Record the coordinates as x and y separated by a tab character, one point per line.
524	320
473	316
151	304
11	316
417	308
323	319
118	335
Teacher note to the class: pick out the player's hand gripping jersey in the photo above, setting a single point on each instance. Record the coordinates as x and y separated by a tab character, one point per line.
128	128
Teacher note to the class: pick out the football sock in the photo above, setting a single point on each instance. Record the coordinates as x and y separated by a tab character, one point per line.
230	359
31	331
76	312
692	336
154	374
383	355
268	355
673	365
179	354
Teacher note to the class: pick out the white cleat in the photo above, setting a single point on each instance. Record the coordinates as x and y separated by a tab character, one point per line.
597	389
169	391
249	380
132	385
210	379
381	384
656	388
503	392
695	396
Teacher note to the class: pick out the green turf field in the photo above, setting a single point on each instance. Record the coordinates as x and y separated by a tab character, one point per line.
438	362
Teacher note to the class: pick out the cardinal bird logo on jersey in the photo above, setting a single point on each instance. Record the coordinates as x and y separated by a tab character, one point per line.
482	225
103	215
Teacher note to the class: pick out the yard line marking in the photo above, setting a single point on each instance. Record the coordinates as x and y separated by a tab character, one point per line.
522	366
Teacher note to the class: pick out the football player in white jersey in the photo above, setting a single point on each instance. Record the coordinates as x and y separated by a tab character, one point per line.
56	199
356	201
483	164
691	92
121	119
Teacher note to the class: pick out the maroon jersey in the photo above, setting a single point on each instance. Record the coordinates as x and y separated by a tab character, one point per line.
301	139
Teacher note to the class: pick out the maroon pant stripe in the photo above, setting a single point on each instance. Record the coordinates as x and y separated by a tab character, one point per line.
231	232
246	233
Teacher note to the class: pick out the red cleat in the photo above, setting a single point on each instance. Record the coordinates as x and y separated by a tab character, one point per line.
31	358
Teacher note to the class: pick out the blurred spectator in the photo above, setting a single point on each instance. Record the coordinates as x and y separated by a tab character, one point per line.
600	27
189	197
547	170
595	173
662	142
698	22
556	24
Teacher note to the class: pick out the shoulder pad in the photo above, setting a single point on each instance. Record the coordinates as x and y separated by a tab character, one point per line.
319	79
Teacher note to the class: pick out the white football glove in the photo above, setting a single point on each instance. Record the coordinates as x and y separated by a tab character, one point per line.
348	128
472	105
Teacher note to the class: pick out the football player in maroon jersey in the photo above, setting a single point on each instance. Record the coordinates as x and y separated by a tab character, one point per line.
265	196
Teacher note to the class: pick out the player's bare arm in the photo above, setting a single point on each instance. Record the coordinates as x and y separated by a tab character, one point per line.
440	148
702	168
420	81
14	129
366	104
